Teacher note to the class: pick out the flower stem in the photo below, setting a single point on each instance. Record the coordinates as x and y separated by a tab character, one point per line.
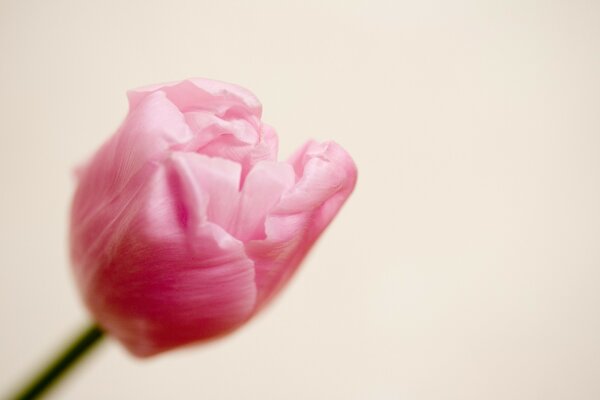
61	364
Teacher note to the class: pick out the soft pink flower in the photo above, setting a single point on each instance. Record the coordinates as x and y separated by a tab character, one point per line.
184	224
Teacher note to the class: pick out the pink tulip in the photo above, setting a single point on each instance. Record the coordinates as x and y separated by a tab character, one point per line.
184	224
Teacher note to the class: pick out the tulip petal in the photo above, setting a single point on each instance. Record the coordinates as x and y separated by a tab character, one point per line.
327	176
208	187
263	188
161	286
151	128
115	173
267	147
209	127
224	118
203	94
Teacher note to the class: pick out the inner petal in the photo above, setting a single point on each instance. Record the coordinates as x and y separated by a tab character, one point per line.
263	187
197	93
208	188
207	126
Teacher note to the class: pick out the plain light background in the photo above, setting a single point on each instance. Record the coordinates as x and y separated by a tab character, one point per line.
465	265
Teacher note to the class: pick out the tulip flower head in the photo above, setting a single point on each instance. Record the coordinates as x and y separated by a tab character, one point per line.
184	224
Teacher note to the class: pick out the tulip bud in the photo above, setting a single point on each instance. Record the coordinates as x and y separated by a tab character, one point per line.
184	224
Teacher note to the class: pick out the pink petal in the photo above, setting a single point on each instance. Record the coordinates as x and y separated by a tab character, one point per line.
204	94
267	147
160	285
208	127
208	187
115	173
327	176
224	118
263	188
230	147
152	127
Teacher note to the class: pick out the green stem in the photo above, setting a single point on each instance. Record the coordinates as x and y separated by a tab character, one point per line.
61	364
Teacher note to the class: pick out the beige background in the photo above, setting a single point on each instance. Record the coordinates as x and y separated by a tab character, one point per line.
465	266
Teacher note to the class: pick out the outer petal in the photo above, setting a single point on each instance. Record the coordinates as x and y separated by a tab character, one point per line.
115	174
327	176
158	285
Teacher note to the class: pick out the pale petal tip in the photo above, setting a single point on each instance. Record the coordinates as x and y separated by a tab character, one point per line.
213	87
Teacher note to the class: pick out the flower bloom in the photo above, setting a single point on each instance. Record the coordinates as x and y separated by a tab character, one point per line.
184	224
